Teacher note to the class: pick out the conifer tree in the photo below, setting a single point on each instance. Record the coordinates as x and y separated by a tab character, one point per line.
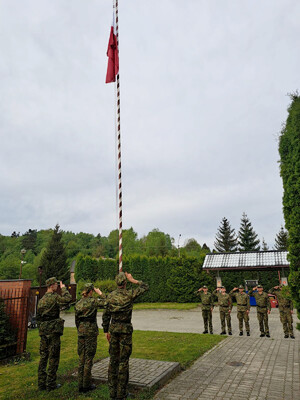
247	239
226	239
54	259
281	239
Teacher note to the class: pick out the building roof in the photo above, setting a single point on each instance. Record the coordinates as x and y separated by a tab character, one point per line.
247	260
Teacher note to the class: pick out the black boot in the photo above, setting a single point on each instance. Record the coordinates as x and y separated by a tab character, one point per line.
248	333
241	333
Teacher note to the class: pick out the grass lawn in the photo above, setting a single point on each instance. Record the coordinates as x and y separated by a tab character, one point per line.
19	381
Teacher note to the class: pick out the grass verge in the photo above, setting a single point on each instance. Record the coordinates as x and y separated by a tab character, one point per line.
19	381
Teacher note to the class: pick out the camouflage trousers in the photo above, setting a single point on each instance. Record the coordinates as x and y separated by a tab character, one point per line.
87	346
120	348
207	319
243	316
286	319
49	354
224	313
262	317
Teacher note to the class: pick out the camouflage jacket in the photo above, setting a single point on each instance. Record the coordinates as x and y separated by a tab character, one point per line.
224	300
283	302
242	300
262	300
206	300
48	309
86	315
118	309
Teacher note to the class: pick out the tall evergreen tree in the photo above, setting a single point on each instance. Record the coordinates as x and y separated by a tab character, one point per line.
281	239
248	240
226	239
289	150
54	259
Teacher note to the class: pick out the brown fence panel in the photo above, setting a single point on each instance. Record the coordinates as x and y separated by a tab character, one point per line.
15	295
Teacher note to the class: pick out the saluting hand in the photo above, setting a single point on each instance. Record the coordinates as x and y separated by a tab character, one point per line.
61	284
98	291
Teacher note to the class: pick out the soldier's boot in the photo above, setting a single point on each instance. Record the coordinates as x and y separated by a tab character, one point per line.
205	331
49	389
230	333
248	333
292	336
262	334
223	333
286	336
268	335
241	333
91	387
211	332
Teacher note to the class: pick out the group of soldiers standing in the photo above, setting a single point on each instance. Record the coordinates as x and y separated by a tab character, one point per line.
116	324
263	308
117	327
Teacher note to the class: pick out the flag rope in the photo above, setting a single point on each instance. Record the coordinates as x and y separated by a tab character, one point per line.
118	134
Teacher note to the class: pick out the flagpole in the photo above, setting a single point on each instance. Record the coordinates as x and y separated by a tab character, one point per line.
118	135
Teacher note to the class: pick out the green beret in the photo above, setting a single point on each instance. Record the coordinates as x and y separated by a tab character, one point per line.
259	286
241	287
120	279
88	287
204	287
51	281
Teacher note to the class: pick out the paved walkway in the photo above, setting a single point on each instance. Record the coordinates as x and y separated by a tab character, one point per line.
250	368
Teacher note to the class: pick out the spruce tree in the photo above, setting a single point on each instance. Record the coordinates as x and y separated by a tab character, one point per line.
281	240
247	240
54	259
289	150
226	239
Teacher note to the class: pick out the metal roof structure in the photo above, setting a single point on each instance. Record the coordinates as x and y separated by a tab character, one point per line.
247	260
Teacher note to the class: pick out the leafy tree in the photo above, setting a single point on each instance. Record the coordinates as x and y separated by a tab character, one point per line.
226	240
15	234
281	239
264	245
10	267
54	260
156	243
247	237
29	239
289	150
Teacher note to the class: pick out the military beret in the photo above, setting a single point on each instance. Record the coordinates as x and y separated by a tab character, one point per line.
88	287
259	286
241	287
51	281
222	287
120	279
204	287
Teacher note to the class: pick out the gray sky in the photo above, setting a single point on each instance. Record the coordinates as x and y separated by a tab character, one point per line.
203	99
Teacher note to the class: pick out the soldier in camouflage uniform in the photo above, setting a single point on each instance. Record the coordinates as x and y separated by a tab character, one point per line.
50	329
225	307
207	306
118	329
263	308
243	308
86	323
285	310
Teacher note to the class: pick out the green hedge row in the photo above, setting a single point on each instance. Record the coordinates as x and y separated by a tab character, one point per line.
171	279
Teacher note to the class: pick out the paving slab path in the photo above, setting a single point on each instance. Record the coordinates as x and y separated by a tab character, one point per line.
250	368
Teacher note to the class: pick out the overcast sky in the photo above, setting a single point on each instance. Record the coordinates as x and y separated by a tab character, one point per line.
204	88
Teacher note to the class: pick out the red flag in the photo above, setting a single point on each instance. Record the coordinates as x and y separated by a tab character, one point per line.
113	56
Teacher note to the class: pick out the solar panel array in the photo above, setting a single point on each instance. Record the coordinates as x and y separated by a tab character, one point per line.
244	260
